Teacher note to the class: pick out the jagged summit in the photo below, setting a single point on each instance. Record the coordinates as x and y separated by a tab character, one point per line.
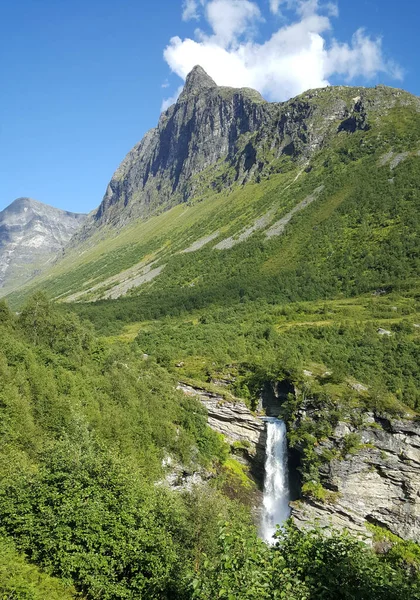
230	135
197	81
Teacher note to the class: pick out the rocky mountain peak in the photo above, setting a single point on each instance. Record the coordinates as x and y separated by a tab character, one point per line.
32	234
196	82
20	204
230	134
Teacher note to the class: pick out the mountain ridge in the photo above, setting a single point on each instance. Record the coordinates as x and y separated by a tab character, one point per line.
256	175
214	137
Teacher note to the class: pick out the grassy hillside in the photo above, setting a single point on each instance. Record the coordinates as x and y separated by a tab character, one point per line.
310	272
353	229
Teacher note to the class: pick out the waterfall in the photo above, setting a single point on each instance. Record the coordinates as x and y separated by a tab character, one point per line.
276	482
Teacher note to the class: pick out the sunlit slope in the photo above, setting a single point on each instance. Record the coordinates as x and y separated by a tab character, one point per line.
345	222
165	237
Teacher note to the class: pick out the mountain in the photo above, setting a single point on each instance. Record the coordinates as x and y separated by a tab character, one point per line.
243	243
216	136
32	236
230	195
250	258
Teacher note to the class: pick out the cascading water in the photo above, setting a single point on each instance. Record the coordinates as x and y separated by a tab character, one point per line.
276	482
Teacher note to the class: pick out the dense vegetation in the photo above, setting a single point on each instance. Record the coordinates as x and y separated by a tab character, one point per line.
88	423
85	427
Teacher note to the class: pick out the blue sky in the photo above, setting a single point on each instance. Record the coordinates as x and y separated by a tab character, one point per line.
82	81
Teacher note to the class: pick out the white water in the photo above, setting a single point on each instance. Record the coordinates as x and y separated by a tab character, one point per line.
276	482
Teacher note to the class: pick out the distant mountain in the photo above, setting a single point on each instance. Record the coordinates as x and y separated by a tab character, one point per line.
32	236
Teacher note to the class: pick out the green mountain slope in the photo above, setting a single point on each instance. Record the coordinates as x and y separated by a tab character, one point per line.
338	215
332	222
284	250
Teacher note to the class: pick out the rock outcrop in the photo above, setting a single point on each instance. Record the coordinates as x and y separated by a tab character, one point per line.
237	423
32	235
377	482
372	477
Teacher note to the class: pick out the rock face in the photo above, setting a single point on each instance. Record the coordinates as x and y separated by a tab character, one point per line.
192	135
379	483
32	235
237	423
272	397
216	136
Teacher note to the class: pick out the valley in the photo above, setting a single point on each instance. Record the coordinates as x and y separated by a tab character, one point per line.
248	259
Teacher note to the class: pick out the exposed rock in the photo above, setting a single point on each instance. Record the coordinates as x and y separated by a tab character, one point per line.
32	236
272	397
118	285
222	382
259	223
203	127
237	423
197	81
398	159
215	136
180	478
385	159
392	159
201	242
382	331
379	483
280	225
359	387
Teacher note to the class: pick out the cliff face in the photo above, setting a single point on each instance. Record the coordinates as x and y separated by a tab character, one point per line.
216	136
372	475
203	127
374	479
238	424
32	235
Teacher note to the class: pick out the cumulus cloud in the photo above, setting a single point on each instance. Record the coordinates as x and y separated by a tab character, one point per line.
230	19
190	10
299	55
362	57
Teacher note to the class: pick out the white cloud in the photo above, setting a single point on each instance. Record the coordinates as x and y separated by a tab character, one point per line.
230	19
274	6
298	56
362	57
190	10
